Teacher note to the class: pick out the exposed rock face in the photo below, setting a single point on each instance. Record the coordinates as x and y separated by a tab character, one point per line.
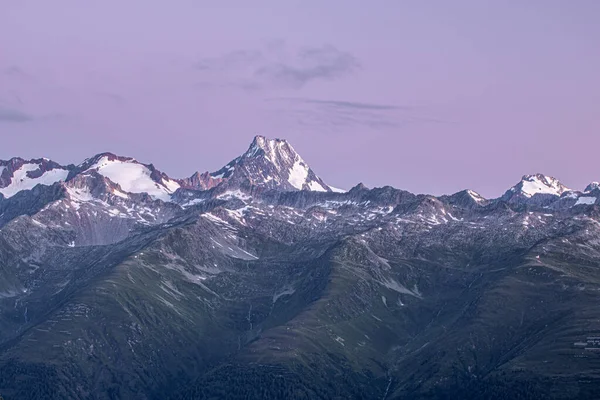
200	181
117	281
592	186
272	164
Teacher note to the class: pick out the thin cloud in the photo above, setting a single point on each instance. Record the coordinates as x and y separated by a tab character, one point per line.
315	118
16	73
12	70
233	60
112	97
339	114
15	116
343	104
279	66
320	63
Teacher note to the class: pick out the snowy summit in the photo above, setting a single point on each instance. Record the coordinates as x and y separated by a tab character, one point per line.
531	185
273	163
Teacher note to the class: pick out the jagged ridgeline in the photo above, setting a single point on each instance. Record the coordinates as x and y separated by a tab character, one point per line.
261	281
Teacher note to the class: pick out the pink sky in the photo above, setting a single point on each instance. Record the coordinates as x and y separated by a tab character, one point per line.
431	97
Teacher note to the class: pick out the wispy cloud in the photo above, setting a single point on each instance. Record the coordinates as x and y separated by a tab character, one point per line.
278	66
14	116
12	70
16	74
343	104
337	114
237	59
112	97
322	63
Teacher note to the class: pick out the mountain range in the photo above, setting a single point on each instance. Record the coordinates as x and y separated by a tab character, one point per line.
260	280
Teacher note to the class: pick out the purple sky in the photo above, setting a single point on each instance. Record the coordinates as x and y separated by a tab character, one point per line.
432	97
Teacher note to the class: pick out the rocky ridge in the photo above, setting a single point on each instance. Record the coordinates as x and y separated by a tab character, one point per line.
118	281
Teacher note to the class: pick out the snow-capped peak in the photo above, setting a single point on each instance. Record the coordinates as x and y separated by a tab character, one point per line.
272	163
132	176
277	151
271	149
531	185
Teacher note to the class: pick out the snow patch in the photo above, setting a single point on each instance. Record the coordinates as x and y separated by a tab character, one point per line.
193	202
340	340
396	287
316	186
134	177
20	181
586	200
298	174
234	194
171	185
80	194
285	292
476	196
